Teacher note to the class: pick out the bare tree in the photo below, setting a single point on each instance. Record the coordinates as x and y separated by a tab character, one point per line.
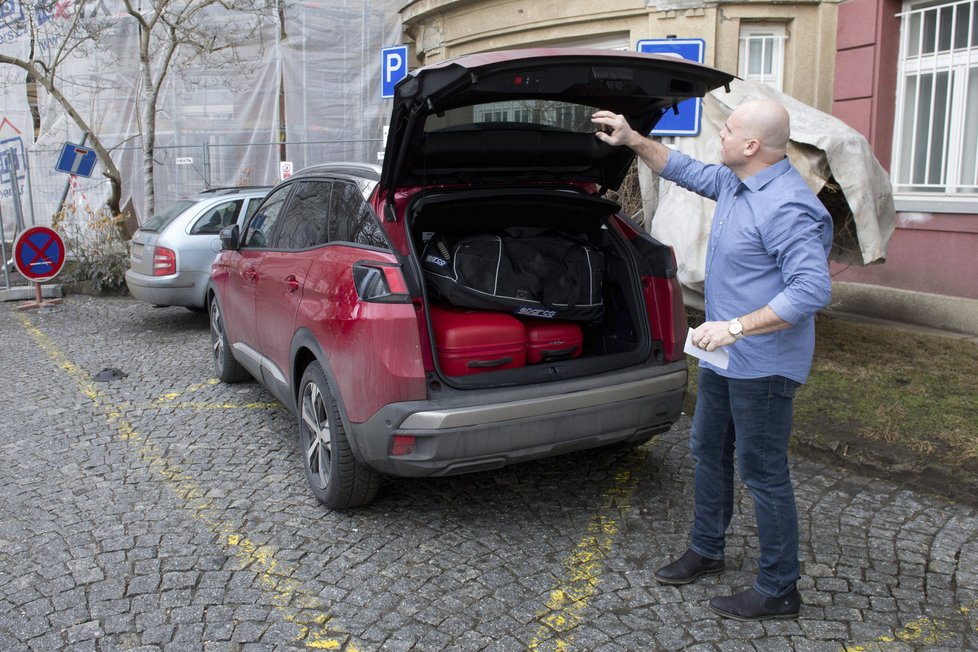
191	31
172	34
32	19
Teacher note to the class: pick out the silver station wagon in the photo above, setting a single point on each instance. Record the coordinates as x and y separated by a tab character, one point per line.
172	252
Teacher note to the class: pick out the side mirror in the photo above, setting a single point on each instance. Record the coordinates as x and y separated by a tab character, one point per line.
231	238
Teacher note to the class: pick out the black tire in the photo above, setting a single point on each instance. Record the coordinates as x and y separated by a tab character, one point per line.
335	476
225	366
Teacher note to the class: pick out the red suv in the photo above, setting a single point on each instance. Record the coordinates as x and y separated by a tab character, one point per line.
347	294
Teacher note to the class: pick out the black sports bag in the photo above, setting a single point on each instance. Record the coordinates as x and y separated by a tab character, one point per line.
523	271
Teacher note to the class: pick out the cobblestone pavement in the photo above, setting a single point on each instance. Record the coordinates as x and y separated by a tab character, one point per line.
166	511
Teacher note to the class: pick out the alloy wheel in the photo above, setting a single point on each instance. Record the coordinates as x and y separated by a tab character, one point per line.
317	436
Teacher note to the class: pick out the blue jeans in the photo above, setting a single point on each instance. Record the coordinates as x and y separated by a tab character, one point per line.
751	418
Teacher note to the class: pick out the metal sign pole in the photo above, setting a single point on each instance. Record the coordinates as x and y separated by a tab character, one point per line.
27	186
207	164
3	250
15	188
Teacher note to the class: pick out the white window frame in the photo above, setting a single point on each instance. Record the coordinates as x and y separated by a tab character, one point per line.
771	37
951	186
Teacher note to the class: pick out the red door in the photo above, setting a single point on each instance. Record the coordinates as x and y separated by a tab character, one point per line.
243	268
279	291
239	270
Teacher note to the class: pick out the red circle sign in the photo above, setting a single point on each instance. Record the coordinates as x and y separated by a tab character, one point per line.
39	253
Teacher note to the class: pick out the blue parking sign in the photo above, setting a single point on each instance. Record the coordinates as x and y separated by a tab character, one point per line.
393	68
76	160
687	121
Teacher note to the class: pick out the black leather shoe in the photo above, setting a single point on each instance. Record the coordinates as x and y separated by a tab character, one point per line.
687	568
750	605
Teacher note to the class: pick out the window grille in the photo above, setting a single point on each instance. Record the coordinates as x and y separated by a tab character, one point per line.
936	139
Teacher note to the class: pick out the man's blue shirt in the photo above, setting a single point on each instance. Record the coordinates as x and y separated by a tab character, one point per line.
769	245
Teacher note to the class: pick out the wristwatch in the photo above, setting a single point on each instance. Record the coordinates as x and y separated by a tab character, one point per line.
736	328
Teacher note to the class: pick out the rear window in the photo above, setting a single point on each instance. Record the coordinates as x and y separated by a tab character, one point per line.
159	221
516	114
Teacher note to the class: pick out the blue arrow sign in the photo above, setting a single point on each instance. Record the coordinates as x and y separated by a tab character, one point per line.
687	121
76	160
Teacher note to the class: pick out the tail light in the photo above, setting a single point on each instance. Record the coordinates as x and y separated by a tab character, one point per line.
674	348
661	289
379	283
164	262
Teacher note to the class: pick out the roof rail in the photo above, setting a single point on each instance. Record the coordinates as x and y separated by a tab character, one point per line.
367	170
231	189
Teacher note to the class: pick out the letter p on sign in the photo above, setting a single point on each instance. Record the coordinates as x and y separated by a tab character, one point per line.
393	66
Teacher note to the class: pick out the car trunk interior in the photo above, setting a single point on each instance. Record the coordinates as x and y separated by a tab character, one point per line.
618	339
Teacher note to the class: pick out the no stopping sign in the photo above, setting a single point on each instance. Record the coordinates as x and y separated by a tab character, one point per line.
39	253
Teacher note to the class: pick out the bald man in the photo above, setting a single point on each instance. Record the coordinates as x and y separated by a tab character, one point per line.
766	277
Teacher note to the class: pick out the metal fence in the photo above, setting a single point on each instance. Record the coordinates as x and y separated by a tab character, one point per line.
178	171
184	170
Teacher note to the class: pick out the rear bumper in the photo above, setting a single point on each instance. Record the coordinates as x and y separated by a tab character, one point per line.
520	424
180	289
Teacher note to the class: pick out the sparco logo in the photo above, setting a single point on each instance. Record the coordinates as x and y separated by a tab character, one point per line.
435	260
536	312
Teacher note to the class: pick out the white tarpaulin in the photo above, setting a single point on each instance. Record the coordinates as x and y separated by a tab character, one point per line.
835	160
16	127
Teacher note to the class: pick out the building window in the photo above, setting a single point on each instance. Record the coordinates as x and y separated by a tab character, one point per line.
762	53
936	140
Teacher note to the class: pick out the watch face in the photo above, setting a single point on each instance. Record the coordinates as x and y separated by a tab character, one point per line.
735	327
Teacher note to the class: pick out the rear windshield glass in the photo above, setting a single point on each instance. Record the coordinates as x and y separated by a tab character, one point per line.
516	114
164	217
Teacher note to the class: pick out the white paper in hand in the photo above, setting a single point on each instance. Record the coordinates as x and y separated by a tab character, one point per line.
717	357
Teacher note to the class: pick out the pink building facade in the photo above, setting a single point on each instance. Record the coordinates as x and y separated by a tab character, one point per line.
907	79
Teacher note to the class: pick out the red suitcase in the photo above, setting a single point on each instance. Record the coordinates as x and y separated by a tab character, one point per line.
470	341
549	341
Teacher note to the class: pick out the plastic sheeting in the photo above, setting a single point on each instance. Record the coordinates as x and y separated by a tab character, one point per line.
835	160
315	78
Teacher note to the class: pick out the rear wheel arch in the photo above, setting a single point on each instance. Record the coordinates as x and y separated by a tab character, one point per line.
209	294
334	475
305	351
300	361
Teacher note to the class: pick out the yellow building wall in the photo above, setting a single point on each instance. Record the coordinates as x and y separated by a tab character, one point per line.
444	29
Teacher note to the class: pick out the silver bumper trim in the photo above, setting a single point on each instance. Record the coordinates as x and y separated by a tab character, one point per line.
483	414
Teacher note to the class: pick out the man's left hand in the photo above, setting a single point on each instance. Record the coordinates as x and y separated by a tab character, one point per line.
712	334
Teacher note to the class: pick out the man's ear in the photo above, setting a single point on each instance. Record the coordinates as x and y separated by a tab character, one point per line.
751	147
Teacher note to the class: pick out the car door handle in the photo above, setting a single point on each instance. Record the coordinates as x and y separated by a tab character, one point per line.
291	283
251	275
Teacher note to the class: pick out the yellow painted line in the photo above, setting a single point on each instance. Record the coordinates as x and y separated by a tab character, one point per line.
918	632
169	397
293	602
583	567
203	405
169	400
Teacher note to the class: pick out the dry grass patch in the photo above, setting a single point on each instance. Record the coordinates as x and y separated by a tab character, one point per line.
900	402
